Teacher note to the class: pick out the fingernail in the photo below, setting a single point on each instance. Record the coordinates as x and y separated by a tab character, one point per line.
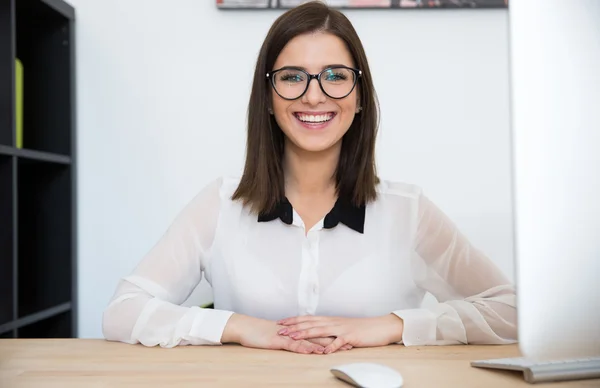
320	350
294	335
327	350
282	331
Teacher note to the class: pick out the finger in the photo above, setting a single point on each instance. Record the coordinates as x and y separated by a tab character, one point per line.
299	319
303	347
315	332
335	345
327	341
302	326
321	341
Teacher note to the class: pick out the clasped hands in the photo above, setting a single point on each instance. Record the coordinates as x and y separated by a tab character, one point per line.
313	334
334	333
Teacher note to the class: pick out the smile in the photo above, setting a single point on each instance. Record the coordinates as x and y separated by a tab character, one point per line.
314	120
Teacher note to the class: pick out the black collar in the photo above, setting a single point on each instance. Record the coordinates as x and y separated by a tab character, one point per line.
343	211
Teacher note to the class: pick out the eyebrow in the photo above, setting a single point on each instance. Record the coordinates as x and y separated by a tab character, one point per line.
322	68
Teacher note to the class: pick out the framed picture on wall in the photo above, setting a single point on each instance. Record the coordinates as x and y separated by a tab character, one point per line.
365	4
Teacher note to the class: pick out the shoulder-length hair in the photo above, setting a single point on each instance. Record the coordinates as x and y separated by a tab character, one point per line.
262	182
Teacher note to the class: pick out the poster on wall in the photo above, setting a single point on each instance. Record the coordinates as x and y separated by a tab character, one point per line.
349	4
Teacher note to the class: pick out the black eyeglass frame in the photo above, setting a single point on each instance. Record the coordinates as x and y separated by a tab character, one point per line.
271	78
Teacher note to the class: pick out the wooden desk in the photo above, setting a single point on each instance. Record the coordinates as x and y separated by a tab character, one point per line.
97	363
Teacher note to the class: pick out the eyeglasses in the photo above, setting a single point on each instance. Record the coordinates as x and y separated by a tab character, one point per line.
337	82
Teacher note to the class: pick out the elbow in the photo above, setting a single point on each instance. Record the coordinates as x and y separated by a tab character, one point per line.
114	328
512	325
109	326
504	327
501	316
496	325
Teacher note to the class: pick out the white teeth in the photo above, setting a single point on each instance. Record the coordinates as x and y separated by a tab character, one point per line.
314	118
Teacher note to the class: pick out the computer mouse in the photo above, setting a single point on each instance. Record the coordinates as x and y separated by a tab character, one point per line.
368	375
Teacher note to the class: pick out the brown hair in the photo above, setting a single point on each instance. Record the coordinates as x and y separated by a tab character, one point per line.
262	182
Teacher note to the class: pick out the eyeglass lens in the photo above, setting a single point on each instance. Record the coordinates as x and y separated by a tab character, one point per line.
336	82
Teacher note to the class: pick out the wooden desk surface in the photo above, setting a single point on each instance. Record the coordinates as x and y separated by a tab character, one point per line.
97	363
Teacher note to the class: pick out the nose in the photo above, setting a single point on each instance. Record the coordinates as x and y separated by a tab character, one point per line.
314	95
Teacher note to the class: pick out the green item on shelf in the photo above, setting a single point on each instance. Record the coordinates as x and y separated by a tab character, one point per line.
19	102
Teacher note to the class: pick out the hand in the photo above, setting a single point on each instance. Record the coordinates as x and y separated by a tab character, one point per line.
260	333
357	332
327	341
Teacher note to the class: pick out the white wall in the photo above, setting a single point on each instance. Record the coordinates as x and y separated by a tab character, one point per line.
162	93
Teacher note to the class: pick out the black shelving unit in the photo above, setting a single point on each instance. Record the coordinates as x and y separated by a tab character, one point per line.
38	196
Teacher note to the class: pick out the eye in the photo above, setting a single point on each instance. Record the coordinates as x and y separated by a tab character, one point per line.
291	77
336	75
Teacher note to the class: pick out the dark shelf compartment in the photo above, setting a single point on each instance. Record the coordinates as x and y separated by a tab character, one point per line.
61	8
43	40
35	155
6	239
7	64
44	236
33	318
8	334
57	326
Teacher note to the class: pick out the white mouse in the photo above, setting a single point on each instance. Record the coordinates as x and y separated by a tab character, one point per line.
368	375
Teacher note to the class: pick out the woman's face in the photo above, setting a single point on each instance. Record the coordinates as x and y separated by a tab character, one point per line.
314	122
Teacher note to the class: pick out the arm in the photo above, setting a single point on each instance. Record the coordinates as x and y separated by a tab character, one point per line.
477	303
146	305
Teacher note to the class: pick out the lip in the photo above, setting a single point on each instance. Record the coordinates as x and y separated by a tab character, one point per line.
314	126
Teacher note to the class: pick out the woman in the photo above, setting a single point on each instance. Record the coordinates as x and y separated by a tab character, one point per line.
309	251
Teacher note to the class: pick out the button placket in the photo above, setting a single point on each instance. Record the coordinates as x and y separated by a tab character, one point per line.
313	276
303	280
308	285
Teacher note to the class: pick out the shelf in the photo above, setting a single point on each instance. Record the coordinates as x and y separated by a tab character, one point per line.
44	47
45	236
61	8
35	155
38	206
7	64
6	239
8	334
37	317
56	326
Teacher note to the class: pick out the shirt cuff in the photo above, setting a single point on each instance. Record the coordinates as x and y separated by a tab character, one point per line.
420	326
209	325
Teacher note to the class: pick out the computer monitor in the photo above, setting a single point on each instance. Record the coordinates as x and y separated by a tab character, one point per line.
554	61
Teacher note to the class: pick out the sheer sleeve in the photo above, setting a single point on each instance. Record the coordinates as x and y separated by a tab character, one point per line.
146	307
476	302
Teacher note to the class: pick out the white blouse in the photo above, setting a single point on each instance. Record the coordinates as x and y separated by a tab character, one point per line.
384	262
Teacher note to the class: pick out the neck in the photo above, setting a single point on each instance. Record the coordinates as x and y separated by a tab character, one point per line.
310	173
